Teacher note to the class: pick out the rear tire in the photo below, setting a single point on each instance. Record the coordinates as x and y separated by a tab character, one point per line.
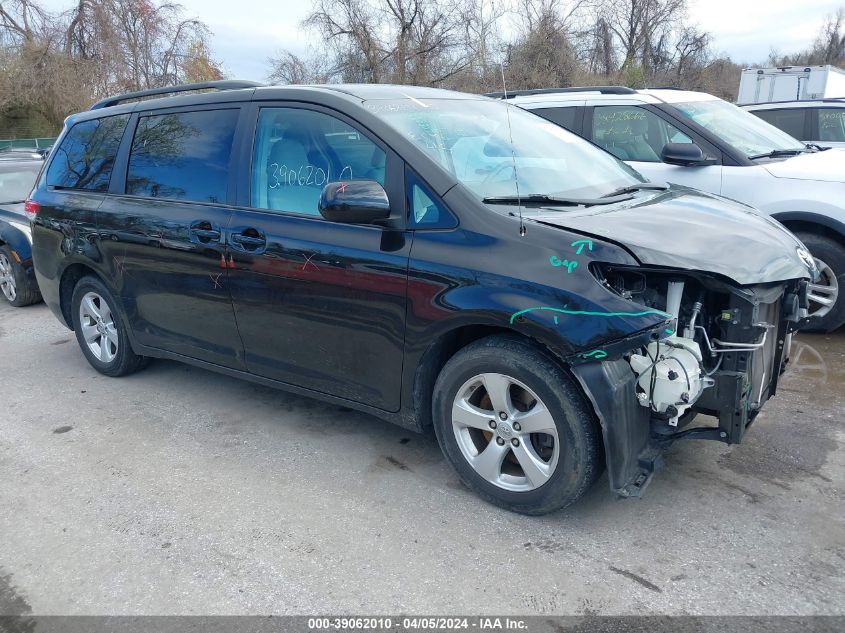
101	331
832	256
14	285
542	452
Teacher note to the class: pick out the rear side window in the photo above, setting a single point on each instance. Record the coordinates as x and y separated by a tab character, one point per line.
790	120
85	157
564	117
831	124
182	156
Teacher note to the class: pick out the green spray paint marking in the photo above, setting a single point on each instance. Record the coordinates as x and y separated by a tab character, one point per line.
588	313
669	331
581	244
554	260
598	354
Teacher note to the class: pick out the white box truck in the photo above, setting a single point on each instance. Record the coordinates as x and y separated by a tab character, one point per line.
790	83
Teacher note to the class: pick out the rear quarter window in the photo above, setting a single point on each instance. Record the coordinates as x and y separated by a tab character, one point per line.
85	157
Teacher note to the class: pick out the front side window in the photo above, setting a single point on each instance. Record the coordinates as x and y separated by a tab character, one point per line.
634	133
489	145
739	128
789	120
85	157
832	124
297	152
182	156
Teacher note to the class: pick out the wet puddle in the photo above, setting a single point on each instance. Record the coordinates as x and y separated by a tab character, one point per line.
799	427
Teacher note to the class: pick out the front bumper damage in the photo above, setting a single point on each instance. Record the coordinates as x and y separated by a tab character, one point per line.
748	360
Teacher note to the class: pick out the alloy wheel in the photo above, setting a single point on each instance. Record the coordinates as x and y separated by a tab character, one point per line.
98	327
505	432
823	295
7	278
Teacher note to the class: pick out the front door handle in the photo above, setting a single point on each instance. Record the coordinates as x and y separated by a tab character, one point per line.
249	239
204	231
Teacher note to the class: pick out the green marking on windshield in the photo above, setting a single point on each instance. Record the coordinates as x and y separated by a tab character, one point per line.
589	313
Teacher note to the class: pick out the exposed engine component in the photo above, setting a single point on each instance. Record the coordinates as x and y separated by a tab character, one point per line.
727	337
671	376
671	373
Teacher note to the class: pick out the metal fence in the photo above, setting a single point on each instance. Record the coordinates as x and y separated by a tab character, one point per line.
26	143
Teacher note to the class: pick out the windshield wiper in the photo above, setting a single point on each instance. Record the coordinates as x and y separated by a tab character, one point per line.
540	198
638	187
775	153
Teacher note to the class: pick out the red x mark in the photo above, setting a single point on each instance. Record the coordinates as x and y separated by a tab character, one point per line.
308	261
215	279
341	188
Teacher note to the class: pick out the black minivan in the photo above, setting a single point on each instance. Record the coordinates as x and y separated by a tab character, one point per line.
433	258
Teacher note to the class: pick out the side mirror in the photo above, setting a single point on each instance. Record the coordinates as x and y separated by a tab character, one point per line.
684	154
354	202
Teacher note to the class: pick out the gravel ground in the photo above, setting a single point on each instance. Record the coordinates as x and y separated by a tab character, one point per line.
179	491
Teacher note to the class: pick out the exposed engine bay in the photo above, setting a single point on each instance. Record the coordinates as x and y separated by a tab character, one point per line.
722	356
718	327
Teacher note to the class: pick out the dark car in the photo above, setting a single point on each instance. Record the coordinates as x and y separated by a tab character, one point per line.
429	257
18	174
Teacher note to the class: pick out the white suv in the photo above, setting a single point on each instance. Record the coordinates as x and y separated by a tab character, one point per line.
698	140
819	123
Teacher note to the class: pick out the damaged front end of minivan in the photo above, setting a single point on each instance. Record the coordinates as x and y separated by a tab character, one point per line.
722	357
732	299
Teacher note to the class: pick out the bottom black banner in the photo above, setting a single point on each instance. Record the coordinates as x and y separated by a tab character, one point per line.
416	624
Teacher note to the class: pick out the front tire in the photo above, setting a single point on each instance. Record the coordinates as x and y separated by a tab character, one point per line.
100	331
826	300
515	427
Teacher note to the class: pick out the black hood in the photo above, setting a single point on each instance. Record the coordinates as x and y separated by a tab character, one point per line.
686	229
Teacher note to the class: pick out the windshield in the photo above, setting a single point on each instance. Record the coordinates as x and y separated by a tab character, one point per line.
471	139
748	133
17	180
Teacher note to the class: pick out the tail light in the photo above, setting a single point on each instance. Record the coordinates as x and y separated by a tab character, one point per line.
31	207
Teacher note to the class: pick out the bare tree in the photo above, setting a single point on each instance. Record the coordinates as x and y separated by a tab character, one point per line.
22	21
600	51
55	64
482	36
289	68
640	27
544	53
829	47
400	41
138	44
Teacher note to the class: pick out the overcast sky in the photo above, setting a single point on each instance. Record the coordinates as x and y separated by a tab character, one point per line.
247	32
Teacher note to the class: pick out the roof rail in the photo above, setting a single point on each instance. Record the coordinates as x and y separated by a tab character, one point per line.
228	84
605	90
